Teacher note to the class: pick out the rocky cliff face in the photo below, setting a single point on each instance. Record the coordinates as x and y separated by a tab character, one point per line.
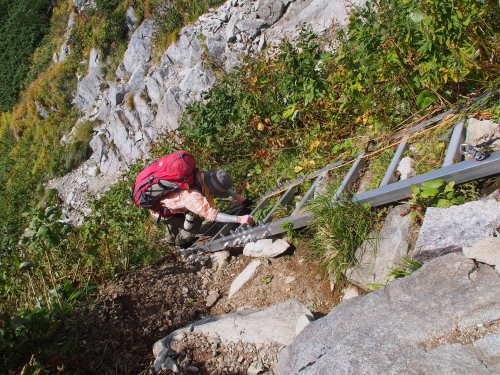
147	99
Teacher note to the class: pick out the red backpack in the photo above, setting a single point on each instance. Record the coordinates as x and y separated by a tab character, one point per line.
169	173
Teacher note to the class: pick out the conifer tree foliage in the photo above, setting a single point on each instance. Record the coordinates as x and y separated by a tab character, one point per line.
23	24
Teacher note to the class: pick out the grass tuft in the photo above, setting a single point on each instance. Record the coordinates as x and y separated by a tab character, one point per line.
339	229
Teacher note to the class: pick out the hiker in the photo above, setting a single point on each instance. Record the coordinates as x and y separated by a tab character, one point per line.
175	189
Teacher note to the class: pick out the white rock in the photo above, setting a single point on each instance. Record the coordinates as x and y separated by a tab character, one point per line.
406	168
289	279
266	248
382	251
480	131
489	347
302	322
255	368
486	251
164	362
275	324
350	292
220	258
456	226
243	277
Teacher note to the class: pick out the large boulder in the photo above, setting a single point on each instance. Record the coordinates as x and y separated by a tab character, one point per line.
386	250
274	325
416	325
448	228
479	131
138	52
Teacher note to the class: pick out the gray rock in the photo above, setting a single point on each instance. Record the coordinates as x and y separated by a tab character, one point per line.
197	80
302	322
266	248
65	48
153	90
139	48
220	258
489	348
41	110
457	226
379	254
271	325
212	298
243	277
89	88
131	18
83	5
270	11
480	131
320	14
486	251
350	291
393	325
255	368
406	168
170	110
164	362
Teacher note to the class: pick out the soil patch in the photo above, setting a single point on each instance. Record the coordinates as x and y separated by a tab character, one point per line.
116	334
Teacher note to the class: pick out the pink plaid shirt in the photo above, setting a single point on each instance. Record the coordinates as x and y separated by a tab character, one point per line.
180	201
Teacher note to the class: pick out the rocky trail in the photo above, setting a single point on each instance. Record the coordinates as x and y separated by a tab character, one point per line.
116	334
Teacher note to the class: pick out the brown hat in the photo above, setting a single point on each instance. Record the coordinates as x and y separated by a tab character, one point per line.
219	182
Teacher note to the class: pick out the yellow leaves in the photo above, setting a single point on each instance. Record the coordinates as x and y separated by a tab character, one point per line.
260	126
364	119
314	144
306	163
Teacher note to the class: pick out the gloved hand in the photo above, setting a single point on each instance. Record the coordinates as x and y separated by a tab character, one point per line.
245	219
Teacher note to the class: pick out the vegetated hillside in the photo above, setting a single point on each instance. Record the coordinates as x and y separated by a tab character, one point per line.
23	24
275	117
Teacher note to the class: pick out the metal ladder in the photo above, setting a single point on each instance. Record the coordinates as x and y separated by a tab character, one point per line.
452	169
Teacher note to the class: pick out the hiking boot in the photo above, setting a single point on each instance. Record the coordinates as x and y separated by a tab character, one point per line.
184	238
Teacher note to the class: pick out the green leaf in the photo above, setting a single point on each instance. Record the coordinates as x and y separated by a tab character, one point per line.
429	193
450	186
433	184
415	189
425	98
443	203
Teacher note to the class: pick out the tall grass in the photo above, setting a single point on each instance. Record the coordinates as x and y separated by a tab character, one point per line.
339	229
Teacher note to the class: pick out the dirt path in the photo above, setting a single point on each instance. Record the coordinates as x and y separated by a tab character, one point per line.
116	335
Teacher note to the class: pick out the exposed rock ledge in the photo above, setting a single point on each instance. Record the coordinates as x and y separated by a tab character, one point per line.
147	100
443	319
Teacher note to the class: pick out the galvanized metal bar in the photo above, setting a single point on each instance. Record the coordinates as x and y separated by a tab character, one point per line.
227	227
309	194
389	173
350	177
453	151
256	233
283	200
301	180
464	171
